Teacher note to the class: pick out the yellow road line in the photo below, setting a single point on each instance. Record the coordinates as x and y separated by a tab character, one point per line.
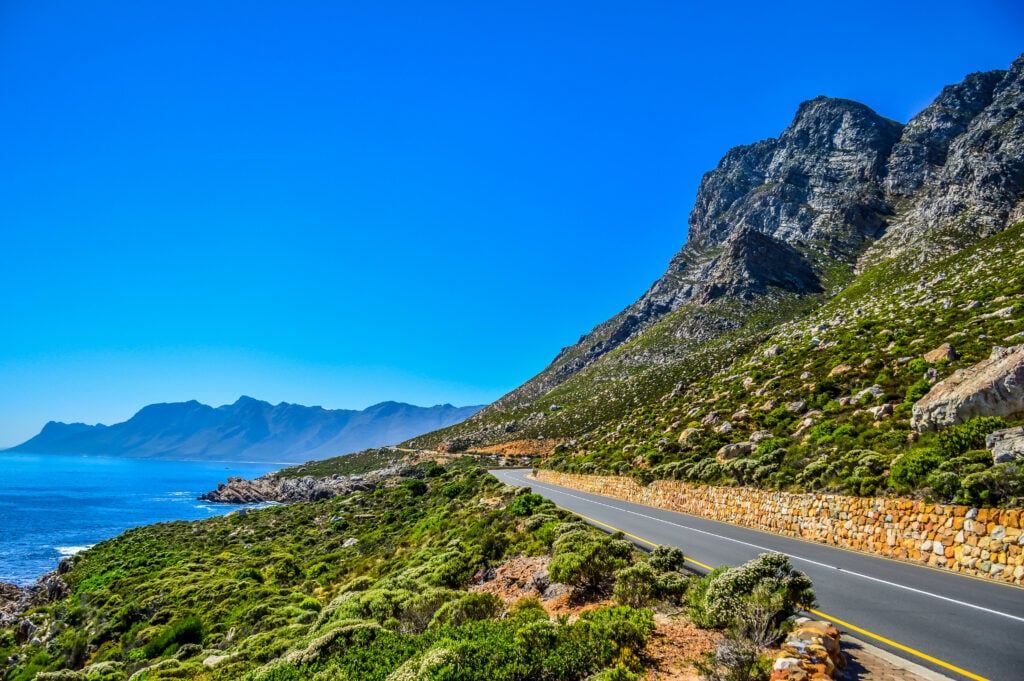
818	613
899	646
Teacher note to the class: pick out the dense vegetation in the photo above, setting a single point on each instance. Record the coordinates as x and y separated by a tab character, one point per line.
370	586
829	397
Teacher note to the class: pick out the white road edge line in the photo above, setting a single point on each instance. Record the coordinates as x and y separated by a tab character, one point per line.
794	557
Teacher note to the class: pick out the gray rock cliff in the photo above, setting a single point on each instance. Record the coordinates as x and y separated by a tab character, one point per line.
784	222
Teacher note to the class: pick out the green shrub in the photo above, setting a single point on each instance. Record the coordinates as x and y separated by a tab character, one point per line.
468	608
917	366
1000	483
908	471
721	595
735	659
958	440
525	505
636	585
417	488
666	558
188	630
944	485
917	390
587	561
671	587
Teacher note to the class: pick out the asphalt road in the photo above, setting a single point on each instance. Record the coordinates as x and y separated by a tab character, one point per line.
962	627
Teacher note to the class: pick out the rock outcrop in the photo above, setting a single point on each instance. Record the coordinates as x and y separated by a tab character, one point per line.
15	600
958	170
1006	445
993	387
272	488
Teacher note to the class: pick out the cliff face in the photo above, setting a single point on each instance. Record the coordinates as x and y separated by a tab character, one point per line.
957	173
780	224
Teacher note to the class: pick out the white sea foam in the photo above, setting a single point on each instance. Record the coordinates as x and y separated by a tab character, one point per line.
72	550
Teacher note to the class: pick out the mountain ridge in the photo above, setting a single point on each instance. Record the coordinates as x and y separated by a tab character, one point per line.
778	227
249	429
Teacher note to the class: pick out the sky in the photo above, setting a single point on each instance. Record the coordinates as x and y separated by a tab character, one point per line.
340	203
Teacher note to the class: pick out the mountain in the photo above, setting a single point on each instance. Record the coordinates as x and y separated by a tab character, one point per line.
779	228
249	430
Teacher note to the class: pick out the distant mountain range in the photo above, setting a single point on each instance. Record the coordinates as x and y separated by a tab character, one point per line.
248	430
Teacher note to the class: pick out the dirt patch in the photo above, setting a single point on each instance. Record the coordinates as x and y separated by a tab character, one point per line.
674	646
676	643
535	447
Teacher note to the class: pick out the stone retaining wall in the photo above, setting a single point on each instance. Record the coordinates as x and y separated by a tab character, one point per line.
982	542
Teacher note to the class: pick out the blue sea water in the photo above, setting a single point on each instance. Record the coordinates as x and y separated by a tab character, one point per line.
53	506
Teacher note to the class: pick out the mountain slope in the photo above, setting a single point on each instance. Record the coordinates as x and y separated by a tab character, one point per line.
778	228
249	430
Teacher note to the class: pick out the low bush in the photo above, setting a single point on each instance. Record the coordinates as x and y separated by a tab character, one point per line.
716	600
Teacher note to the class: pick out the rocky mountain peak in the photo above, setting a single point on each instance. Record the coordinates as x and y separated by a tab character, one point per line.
820	178
924	146
957	174
840	188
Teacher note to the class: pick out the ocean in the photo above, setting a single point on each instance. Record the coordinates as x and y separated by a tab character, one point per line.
54	506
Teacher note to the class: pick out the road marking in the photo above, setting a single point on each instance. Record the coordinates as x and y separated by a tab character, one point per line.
898	646
818	613
793	556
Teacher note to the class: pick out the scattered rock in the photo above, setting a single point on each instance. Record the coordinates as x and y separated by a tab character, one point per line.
943	352
876	391
732	451
993	387
796	407
711	419
758	436
214	660
810	651
725	427
881	411
840	369
771	351
351	541
1006	445
688	435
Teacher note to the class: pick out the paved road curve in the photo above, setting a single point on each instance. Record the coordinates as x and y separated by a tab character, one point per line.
962	627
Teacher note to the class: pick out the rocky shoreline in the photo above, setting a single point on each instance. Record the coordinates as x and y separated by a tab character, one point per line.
272	488
16	600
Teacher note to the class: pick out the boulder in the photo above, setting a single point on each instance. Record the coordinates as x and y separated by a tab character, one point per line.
757	436
732	451
876	391
993	387
944	351
881	411
797	407
711	419
725	427
688	435
1006	445
840	369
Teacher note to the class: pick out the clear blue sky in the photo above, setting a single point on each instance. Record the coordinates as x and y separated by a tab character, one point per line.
340	203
